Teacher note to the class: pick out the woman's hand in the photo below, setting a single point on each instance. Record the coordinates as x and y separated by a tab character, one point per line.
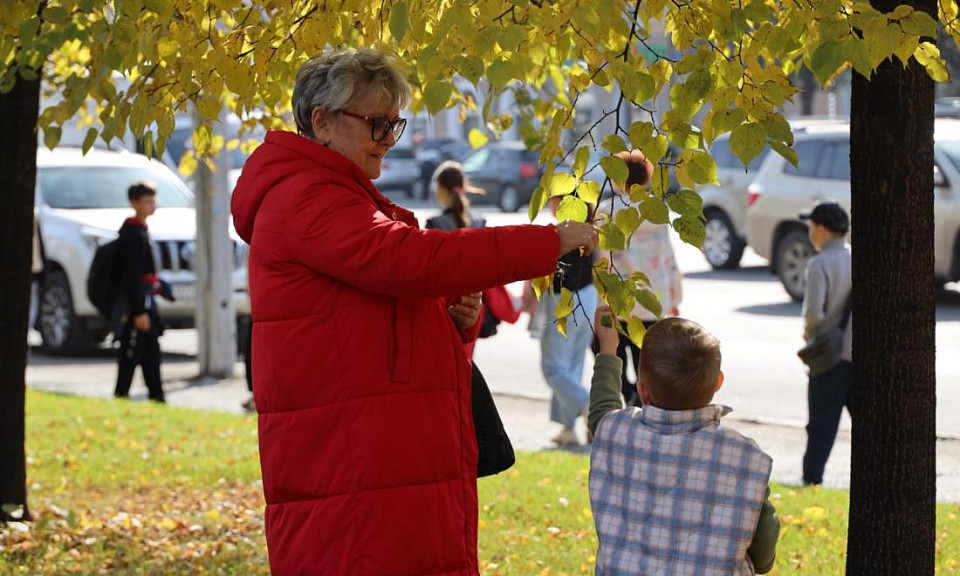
605	326
575	235
466	310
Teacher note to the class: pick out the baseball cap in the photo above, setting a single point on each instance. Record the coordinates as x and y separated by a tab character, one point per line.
830	215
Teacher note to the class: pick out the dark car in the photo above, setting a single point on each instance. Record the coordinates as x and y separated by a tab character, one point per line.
507	171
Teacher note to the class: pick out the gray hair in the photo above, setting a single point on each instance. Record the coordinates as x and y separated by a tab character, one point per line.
331	81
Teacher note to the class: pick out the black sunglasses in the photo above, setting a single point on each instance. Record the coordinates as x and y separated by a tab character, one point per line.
380	126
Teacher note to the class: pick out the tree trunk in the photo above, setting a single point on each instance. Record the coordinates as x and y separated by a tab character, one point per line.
19	110
893	463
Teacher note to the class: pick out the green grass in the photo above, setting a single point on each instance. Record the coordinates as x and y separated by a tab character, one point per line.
134	488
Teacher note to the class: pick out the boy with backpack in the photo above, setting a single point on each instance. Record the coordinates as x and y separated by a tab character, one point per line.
673	490
136	305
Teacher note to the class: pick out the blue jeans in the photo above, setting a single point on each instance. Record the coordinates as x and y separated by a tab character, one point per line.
826	397
562	358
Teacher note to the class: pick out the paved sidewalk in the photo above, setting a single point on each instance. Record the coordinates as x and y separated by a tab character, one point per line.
525	417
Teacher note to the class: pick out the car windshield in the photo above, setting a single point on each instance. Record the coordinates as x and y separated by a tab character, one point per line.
106	186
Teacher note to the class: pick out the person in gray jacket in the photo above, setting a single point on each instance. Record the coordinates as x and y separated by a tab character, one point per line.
825	305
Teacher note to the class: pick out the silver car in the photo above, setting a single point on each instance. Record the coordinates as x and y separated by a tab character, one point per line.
400	171
780	192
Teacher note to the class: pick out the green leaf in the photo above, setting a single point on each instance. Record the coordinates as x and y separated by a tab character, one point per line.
499	73
778	128
589	192
654	210
470	67
538	200
636	330
89	139
399	21
640	133
437	95
477	138
580	163
648	299
612	238
747	141
628	220
615	169
51	136
657	148
511	37
562	184
572	208
638	86
700	83
209	107
659	184
929	56
565	304
614	143
826	60
691	230
700	166
686	203
740	25
919	23
787	152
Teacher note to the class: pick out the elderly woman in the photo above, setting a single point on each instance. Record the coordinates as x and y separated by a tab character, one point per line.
367	445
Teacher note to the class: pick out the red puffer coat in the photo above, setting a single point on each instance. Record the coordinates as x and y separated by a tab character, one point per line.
361	379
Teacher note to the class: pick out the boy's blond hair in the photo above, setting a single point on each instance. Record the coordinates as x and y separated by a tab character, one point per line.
680	364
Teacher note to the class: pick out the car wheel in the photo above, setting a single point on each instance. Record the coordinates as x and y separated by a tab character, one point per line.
59	326
793	251
509	199
721	245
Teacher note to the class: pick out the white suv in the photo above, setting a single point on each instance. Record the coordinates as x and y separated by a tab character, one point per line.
781	191
81	202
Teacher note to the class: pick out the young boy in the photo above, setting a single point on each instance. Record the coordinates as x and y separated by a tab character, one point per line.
672	490
825	310
137	305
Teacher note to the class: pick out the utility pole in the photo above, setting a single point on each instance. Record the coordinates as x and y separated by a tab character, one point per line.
216	321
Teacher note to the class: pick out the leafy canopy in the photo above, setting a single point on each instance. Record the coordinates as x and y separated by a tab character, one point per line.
128	66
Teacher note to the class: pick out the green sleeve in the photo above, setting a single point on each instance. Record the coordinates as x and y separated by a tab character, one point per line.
763	549
604	390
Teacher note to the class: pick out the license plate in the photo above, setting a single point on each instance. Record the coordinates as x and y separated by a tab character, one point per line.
185	291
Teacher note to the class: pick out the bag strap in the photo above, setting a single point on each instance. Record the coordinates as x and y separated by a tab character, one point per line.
847	311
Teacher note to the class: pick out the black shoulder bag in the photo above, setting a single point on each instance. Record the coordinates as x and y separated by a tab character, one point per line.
493	444
824	353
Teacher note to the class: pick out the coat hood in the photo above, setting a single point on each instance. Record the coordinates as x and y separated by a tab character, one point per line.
286	155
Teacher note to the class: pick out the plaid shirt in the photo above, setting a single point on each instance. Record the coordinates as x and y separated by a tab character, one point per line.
675	493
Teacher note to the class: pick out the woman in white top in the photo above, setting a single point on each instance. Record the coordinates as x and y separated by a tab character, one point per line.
651	252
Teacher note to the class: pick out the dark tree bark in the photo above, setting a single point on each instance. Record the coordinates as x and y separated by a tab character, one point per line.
19	110
893	464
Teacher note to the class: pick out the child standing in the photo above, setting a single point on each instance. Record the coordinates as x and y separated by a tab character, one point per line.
672	490
137	306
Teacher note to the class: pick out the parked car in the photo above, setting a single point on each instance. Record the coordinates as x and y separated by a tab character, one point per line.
781	191
725	206
507	171
400	171
81	202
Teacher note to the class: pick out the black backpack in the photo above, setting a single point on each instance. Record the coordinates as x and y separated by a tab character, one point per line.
103	277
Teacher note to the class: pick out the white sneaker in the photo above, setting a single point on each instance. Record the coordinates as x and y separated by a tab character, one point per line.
566	437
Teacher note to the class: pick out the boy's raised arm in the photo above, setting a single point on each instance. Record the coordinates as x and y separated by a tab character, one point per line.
605	386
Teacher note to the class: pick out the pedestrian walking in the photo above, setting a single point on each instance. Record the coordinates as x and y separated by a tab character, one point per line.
562	357
136	307
650	251
827	325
